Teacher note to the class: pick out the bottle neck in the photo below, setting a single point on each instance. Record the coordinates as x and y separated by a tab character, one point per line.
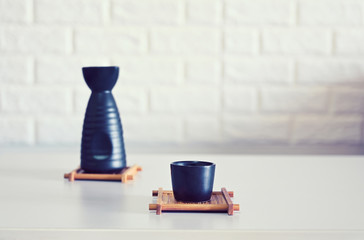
101	92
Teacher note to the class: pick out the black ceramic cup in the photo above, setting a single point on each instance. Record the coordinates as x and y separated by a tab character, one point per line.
192	181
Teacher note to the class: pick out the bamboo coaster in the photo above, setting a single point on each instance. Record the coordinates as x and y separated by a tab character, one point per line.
219	202
126	174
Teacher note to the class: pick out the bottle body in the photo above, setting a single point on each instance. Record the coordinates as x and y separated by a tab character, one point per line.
102	147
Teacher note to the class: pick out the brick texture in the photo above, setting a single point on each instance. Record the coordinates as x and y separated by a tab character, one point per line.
37	100
297	41
152	129
185	41
326	12
350	42
15	131
350	101
109	41
274	130
331	71
328	130
64	70
241	41
159	12
262	12
35	40
203	72
192	72
294	100
269	71
51	131
203	129
68	11
16	70
188	100
204	11
15	11
148	71
240	100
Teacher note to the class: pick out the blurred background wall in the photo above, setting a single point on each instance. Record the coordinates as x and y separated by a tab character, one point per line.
208	74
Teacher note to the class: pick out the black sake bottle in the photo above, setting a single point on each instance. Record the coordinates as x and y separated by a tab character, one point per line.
102	146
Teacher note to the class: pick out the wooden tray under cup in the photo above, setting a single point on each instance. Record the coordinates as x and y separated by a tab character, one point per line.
219	202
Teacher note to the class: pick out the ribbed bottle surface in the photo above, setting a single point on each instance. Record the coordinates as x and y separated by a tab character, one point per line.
102	147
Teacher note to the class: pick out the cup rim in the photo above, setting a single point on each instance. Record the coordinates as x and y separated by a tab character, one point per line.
192	163
99	67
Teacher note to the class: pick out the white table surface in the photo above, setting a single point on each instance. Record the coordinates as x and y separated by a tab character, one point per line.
280	197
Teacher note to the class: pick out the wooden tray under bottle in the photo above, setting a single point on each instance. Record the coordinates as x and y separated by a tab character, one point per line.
126	174
219	202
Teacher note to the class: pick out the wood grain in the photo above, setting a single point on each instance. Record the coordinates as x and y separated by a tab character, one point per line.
155	192
219	202
125	175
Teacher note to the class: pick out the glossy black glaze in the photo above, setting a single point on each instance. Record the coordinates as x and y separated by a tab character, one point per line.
192	181
102	146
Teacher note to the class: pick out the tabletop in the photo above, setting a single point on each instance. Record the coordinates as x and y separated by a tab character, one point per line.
280	197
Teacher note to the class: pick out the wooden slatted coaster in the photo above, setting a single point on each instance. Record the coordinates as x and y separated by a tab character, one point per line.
219	202
125	175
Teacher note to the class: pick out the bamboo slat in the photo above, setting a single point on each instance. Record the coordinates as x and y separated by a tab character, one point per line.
228	201
155	192
126	174
219	202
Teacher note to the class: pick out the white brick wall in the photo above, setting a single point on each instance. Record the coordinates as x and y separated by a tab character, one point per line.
109	41
203	129
241	40
185	41
204	11
35	40
192	72
152	12
260	12
240	100
334	12
294	100
151	130
16	70
205	71
257	71
328	130
15	11
148	71
348	101
70	12
260	129
65	130
350	42
330	71
38	100
64	70
15	130
296	41
194	100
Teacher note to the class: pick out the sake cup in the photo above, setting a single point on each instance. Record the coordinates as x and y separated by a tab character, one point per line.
192	181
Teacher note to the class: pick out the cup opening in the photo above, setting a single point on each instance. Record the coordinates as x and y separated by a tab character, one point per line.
192	163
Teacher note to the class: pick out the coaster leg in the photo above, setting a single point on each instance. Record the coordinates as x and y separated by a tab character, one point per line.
72	176
124	178
129	173
228	201
159	201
